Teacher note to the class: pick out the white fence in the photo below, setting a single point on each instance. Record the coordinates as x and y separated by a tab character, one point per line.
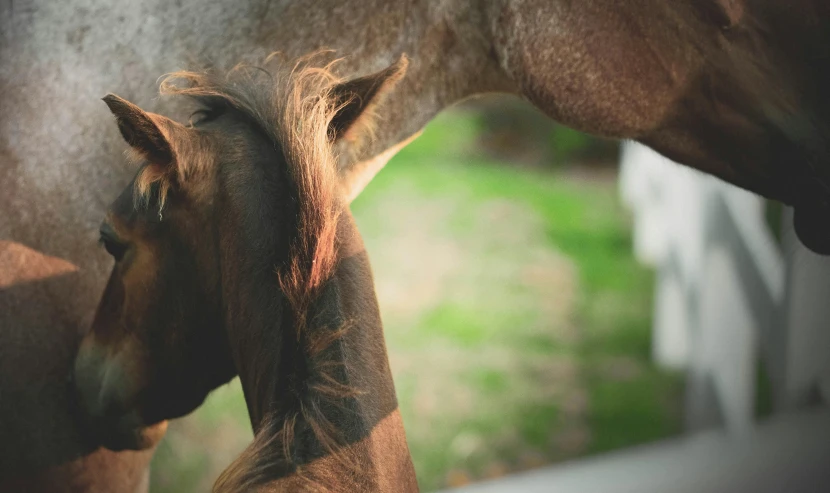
728	294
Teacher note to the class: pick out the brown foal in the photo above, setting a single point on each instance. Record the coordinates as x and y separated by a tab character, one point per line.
235	253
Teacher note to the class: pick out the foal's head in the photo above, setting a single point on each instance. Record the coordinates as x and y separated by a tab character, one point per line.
213	210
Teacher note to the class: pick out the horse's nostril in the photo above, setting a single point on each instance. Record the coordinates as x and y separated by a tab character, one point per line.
105	399
99	383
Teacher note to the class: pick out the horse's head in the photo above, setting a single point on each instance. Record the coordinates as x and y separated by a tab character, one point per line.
191	227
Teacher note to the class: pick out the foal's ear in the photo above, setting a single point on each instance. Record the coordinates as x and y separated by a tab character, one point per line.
147	133
358	98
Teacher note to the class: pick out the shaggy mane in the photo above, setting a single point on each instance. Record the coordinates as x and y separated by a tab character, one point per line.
293	106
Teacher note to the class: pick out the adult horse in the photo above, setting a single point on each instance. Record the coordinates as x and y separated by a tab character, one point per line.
733	87
235	252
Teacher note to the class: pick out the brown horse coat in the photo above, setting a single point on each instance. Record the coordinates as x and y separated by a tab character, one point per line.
235	253
734	87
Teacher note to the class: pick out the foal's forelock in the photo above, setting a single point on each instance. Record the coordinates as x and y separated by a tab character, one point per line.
293	106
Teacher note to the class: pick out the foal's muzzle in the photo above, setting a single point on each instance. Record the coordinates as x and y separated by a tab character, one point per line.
104	406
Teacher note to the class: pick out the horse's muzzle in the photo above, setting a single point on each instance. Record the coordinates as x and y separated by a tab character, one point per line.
105	415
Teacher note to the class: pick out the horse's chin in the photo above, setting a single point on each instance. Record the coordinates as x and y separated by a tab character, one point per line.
120	438
812	225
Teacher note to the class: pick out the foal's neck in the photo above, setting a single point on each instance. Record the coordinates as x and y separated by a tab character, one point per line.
322	402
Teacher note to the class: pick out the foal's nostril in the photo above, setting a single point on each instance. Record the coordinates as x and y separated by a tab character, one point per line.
105	401
99	382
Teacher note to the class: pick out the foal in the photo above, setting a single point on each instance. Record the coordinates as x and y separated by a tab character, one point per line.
235	253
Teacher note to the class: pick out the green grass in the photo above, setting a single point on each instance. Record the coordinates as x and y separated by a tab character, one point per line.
516	318
632	412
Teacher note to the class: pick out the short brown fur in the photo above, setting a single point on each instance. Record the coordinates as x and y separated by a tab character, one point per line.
315	377
55	176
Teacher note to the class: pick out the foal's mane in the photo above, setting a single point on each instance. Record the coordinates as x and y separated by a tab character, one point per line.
293	106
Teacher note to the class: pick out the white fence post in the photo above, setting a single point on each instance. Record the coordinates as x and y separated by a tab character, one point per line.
805	351
727	295
667	206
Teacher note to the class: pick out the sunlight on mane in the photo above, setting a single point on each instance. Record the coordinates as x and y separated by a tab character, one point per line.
294	106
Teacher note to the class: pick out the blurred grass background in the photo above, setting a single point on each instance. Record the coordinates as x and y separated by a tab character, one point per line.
517	321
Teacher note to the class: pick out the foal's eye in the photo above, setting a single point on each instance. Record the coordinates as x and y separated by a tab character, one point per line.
202	116
113	247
